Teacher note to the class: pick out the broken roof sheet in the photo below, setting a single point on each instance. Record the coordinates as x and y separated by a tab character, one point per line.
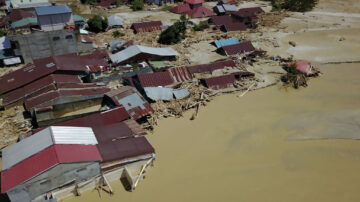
155	79
52	10
161	93
209	68
226	42
44	160
238	48
131	99
220	82
34	144
147	26
63	96
132	51
179	74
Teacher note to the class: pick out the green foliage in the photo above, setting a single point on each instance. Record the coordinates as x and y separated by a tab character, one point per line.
2	32
119	3
294	5
175	33
137	5
117	34
201	26
167	8
97	23
291	69
91	2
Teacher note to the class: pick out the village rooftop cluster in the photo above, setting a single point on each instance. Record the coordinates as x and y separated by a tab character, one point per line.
84	132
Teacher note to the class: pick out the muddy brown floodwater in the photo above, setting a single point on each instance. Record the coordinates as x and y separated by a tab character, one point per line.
269	145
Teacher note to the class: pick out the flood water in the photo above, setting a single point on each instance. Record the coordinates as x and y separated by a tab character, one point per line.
270	145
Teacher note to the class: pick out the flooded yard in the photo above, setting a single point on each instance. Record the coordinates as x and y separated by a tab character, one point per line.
270	145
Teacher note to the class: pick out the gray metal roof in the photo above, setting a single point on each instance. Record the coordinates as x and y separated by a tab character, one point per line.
181	93
220	9
115	20
52	10
137	49
34	144
230	8
114	44
133	99
161	93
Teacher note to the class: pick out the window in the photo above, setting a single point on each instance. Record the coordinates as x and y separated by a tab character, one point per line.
56	38
68	37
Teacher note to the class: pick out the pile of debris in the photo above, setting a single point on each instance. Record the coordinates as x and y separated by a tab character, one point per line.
297	73
272	19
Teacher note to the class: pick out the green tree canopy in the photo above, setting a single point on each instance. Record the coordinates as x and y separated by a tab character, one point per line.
97	23
137	5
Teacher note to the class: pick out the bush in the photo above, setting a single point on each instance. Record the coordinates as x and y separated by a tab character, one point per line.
2	32
175	33
97	23
119	3
117	34
294	5
91	2
201	26
137	5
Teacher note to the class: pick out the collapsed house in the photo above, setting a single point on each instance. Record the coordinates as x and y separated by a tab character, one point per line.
130	98
137	53
209	68
248	15
149	26
50	159
227	23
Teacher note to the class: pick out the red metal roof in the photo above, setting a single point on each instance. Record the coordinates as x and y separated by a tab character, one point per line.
106	3
45	66
194	1
238	48
43	99
179	74
18	14
238	26
39	86
155	79
247	12
220	82
181	8
222	20
136	105
209	68
200	12
76	85
147	26
46	159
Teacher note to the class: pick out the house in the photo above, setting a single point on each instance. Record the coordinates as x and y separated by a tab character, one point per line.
115	21
209	68
248	15
163	93
27	4
130	98
218	21
7	56
238	26
64	64
154	79
181	8
219	82
44	44
106	3
65	103
79	21
52	18
200	12
25	23
237	48
137	53
193	8
149	26
226	42
194	3
225	9
40	86
179	74
18	14
50	159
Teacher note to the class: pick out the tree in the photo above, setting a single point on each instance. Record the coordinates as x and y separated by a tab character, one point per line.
91	2
117	34
175	33
201	26
299	5
97	23
2	32
137	5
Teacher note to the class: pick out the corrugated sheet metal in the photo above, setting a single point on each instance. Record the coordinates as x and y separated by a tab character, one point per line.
200	12
46	159
52	10
18	14
22	150
147	26
180	74
226	42
238	26
182	8
132	51
181	93
238	48
220	82
229	8
76	85
51	97
209	68
155	79
25	22
222	20
159	93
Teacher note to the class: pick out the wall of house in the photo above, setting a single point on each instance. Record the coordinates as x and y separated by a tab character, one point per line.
60	175
55	22
44	44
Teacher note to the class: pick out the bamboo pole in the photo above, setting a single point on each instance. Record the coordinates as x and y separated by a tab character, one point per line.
247	90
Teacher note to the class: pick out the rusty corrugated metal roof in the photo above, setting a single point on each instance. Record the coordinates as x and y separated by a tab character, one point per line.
179	74
220	82
147	26
238	26
209	68
181	8
155	79
238	48
200	12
